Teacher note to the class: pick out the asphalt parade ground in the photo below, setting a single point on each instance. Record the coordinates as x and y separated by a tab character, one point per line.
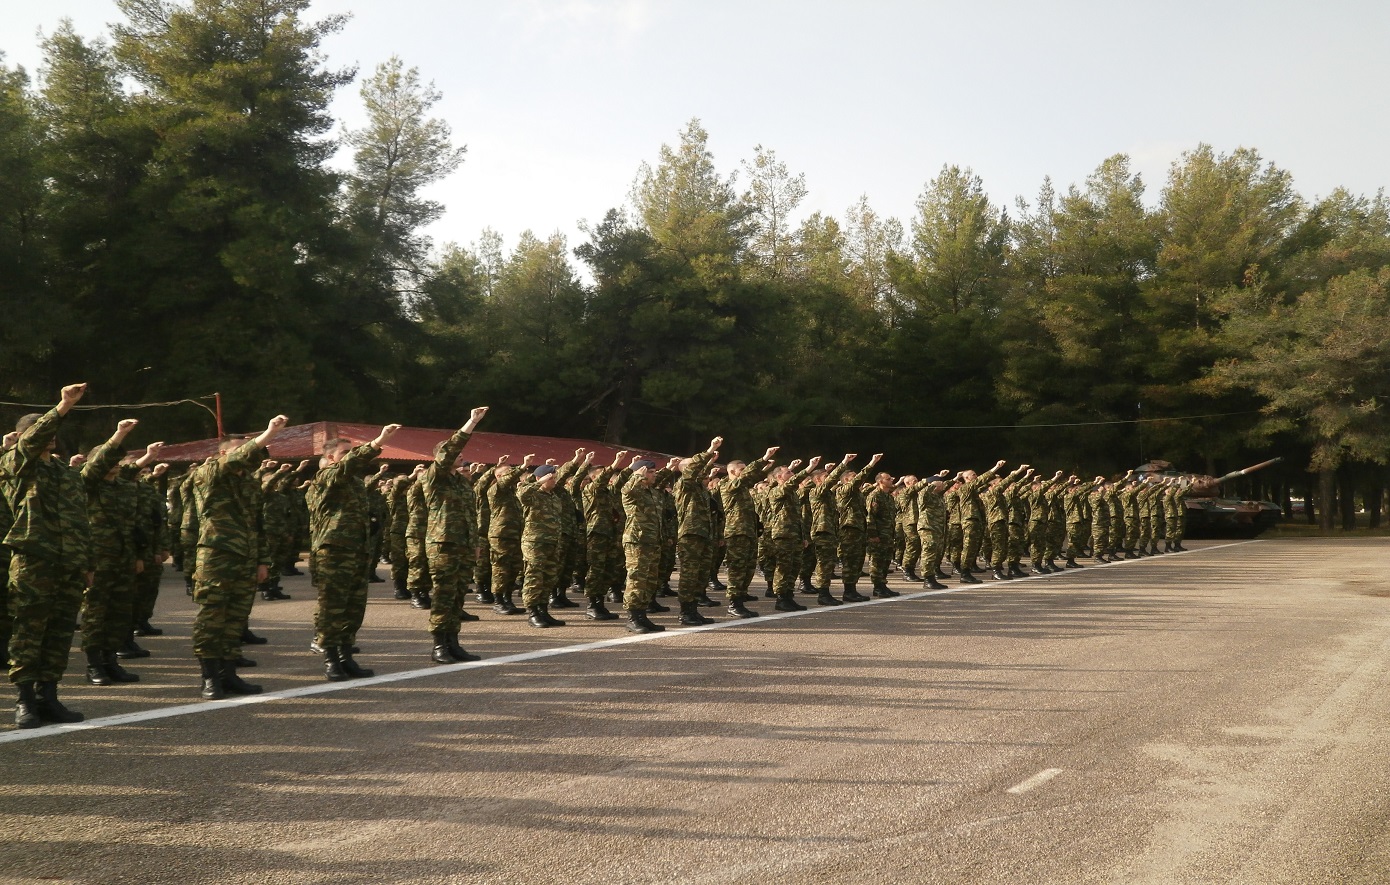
1217	716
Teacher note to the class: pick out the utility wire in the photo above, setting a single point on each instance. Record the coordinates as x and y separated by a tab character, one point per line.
1026	426
92	408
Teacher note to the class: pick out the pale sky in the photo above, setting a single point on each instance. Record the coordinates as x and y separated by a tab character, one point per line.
559	102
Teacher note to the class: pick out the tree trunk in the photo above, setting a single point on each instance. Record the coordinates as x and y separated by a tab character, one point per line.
1346	495
1374	493
1327	496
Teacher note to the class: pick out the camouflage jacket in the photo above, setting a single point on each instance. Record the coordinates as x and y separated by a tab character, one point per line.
601	501
449	496
113	509
882	515
825	516
339	509
228	500
505	519
736	494
971	507
542	513
692	499
46	502
642	510
784	508
933	514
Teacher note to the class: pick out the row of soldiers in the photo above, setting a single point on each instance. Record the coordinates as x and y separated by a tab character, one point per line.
616	531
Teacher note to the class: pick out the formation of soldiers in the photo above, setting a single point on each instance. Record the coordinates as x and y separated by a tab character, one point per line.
90	537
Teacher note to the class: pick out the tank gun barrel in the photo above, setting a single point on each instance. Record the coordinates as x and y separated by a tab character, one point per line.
1261	466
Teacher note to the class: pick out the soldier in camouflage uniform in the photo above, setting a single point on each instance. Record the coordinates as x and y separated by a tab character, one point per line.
505	526
1019	504
603	546
881	521
418	582
189	525
955	528
450	503
118	542
695	532
339	515
933	527
376	521
670	532
972	513
906	500
741	528
787	541
277	516
853	511
152	515
1100	520
1074	497
542	539
995	497
642	545
49	539
1129	500
484	475
825	528
716	512
571	536
398	518
232	557
1176	522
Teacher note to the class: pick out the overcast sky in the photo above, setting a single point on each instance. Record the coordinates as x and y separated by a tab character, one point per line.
559	102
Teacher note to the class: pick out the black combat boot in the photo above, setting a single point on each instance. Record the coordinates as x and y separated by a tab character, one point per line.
691	617
50	709
825	597
998	574
333	666
931	583
350	666
458	651
465	615
484	593
244	661
420	599
440	654
785	603
539	617
738	608
505	606
638	622
249	638
1071	561
615	597
717	585
131	650
374	578
804	586
1178	547
212	679
656	608
264	589
275	591
234	684
26	709
853	595
96	669
911	575
941	576
703	600
402	592
145	628
968	577
1015	571
559	599
597	611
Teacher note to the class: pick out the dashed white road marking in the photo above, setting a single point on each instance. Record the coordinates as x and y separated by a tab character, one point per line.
1034	782
442	670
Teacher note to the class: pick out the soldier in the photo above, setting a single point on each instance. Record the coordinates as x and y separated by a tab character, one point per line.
339	515
232	557
1100	519
853	511
905	500
118	544
741	528
152	515
1176	522
376	521
1129	499
450	521
882	518
695	527
277	516
483	478
418	583
825	527
542	539
642	545
49	540
1019	503
505	527
603	546
571	538
189	524
1074	497
995	498
972	512
397	519
787	536
933	527
717	517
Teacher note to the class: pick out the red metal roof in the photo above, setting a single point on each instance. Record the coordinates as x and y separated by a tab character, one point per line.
410	444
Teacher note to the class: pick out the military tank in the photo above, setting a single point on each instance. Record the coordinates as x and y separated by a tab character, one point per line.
1211	516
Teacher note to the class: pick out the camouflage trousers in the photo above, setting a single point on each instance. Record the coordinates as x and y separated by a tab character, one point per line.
880	554
1018	542
999	545
955	542
602	553
108	606
808	561
571	547
542	558
716	560
450	566
824	547
376	541
1100	535
786	555
972	536
506	564
340	577
224	588
1176	525
766	561
1056	534
933	543
852	550
1077	536
44	597
695	553
482	563
643	569
417	576
400	560
741	553
668	560
912	548
1131	532
1146	530
146	591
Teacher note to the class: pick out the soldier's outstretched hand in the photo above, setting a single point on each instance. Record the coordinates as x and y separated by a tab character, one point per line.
715	443
386	433
70	396
770	453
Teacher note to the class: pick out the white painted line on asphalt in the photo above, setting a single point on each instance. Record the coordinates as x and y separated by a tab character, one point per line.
440	670
1035	781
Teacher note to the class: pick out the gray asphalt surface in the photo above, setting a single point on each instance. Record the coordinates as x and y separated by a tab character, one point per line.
1217	716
